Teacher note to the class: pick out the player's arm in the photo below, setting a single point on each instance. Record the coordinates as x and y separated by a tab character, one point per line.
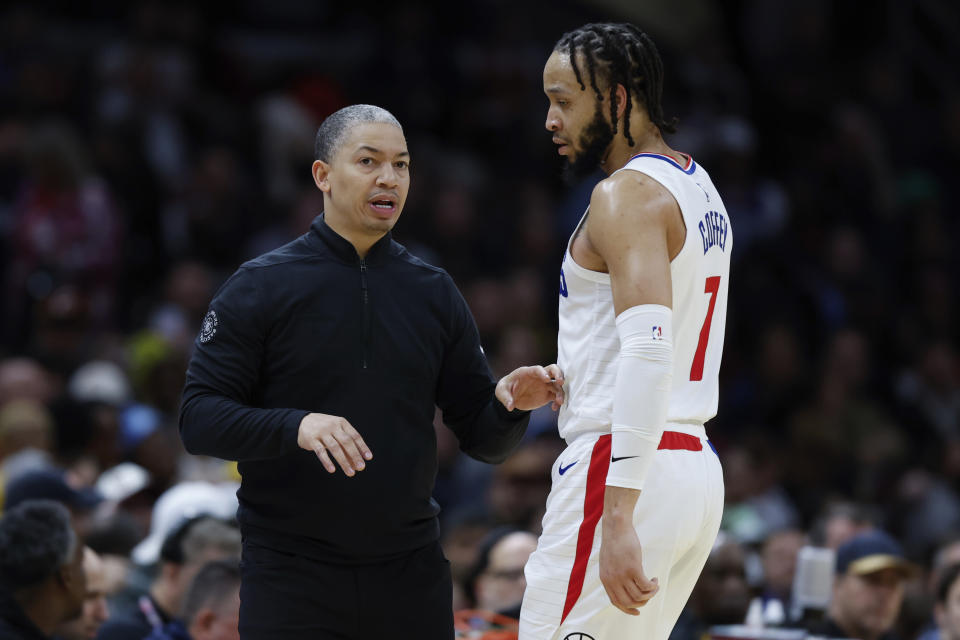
630	216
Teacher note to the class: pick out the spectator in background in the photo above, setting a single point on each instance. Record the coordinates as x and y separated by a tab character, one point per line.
778	555
184	552
461	540
182	502
945	556
26	437
187	290
755	501
87	418
839	521
721	595
147	440
868	588
53	484
211	608
519	489
67	228
25	379
161	516
42	582
947	608
496	581
95	610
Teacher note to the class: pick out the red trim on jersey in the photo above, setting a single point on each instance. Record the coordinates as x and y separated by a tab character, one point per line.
677	441
592	510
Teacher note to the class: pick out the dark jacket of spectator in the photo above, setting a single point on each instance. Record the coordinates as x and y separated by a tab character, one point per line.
14	623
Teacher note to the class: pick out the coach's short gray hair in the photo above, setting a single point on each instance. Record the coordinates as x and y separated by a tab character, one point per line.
338	124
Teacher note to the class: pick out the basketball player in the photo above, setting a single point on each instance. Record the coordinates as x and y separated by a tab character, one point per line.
638	493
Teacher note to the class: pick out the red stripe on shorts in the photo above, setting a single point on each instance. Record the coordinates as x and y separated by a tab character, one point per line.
592	510
680	442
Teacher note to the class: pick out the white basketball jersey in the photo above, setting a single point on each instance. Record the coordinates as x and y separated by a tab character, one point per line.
588	342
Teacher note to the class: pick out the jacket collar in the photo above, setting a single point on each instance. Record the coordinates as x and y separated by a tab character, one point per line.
323	238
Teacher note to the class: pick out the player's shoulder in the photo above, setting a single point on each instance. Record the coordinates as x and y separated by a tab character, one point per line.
633	194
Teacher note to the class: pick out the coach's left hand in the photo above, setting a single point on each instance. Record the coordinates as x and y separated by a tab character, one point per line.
529	388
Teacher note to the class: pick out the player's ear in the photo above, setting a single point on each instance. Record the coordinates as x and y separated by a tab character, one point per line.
321	173
621	96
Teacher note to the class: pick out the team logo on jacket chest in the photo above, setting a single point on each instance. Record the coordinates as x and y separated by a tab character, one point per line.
209	327
713	230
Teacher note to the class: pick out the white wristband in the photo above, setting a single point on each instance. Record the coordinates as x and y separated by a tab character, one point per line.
641	394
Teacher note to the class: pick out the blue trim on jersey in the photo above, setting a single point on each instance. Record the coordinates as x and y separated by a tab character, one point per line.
689	172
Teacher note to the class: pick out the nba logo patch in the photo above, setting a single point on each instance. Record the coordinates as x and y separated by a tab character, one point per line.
657	333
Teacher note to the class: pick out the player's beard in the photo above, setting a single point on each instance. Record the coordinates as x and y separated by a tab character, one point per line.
591	149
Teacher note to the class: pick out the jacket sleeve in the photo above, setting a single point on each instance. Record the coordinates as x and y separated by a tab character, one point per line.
465	391
218	416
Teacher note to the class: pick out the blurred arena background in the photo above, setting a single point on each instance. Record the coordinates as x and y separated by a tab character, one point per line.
148	148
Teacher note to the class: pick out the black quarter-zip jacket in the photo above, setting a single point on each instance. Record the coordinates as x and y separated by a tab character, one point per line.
380	341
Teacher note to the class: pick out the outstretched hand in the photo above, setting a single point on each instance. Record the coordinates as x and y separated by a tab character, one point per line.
529	388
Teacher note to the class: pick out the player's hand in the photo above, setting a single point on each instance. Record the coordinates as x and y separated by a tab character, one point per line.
333	436
531	387
621	568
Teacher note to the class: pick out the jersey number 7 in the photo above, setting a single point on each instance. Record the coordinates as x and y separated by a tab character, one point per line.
696	370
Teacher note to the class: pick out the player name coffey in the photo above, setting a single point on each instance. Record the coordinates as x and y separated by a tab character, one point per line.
713	230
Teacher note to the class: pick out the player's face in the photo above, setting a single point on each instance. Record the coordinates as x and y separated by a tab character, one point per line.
575	116
367	180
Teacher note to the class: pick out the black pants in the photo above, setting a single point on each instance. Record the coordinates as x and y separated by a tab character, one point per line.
289	597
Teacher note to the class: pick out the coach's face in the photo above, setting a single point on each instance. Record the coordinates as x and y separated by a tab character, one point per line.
366	182
576	115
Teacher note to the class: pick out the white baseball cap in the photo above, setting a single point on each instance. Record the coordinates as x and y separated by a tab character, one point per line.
180	503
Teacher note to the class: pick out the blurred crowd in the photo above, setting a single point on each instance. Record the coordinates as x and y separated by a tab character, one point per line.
149	148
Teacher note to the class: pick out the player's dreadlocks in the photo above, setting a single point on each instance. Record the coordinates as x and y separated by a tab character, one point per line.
630	58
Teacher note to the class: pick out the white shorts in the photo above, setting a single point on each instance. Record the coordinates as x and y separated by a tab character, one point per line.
677	518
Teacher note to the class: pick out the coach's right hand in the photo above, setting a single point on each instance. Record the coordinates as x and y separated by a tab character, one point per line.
333	436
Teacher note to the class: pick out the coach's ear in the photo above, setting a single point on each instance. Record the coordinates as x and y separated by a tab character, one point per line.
321	171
